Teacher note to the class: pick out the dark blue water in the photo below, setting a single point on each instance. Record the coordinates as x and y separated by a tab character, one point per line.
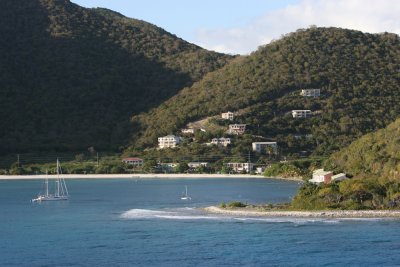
127	222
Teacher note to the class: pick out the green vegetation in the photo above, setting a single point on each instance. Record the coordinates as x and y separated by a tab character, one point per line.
353	194
374	162
357	73
295	168
373	155
72	77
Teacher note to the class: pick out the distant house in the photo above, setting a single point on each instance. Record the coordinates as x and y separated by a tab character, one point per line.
240	167
136	162
167	167
228	115
169	141
265	147
237	128
321	176
260	170
195	165
187	131
310	92
301	113
221	141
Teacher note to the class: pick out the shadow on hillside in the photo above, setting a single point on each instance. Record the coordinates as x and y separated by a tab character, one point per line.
71	92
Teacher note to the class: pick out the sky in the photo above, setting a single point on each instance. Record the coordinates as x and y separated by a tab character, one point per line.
241	26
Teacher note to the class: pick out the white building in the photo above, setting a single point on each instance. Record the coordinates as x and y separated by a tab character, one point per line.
227	115
301	113
321	176
221	141
310	92
237	128
195	165
169	141
187	131
265	147
136	162
167	167
339	177
240	167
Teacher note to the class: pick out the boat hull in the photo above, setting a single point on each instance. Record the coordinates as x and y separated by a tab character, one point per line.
49	198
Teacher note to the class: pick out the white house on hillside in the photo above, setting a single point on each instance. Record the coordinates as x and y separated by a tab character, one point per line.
265	147
169	141
136	162
194	165
301	113
228	115
310	92
237	128
240	167
221	141
187	131
321	176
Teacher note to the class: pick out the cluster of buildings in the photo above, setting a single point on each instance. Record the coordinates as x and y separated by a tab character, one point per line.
306	113
271	148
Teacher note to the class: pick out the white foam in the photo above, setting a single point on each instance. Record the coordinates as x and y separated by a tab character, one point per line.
194	214
179	214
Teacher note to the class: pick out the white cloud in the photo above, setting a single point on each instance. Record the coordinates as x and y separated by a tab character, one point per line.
366	15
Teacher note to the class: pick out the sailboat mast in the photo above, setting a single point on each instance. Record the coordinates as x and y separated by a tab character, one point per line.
47	186
58	178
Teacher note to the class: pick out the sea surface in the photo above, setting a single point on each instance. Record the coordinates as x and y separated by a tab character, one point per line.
143	222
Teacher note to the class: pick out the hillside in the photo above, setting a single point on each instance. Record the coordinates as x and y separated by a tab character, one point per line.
376	154
71	77
374	162
358	74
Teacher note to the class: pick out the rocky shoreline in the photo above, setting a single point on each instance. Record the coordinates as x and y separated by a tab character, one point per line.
306	214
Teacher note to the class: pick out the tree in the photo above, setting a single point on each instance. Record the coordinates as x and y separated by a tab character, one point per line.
182	167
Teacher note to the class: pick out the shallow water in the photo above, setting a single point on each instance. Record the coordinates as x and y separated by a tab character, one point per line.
137	222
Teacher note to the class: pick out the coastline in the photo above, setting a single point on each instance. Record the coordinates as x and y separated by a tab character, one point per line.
307	214
137	176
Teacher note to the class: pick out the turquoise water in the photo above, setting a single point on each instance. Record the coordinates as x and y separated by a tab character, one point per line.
129	222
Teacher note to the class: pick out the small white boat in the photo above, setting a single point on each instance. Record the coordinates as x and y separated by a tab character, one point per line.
185	195
60	190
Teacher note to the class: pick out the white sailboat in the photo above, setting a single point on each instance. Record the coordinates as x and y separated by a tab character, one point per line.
60	190
185	195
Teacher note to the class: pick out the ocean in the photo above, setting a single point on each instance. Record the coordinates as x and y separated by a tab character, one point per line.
143	222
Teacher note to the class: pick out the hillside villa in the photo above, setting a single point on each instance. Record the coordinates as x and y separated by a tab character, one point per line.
136	162
320	176
187	131
195	165
301	113
240	167
221	141
237	128
310	92
265	147
169	141
228	115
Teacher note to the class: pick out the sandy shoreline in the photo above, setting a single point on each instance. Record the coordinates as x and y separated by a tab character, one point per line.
308	214
131	176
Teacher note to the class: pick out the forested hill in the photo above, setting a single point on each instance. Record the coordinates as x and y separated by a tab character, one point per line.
71	77
358	74
376	154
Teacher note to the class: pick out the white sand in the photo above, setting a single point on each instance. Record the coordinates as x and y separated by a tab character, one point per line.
315	214
131	176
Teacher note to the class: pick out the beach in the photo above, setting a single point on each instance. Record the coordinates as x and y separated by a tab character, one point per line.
130	176
307	214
